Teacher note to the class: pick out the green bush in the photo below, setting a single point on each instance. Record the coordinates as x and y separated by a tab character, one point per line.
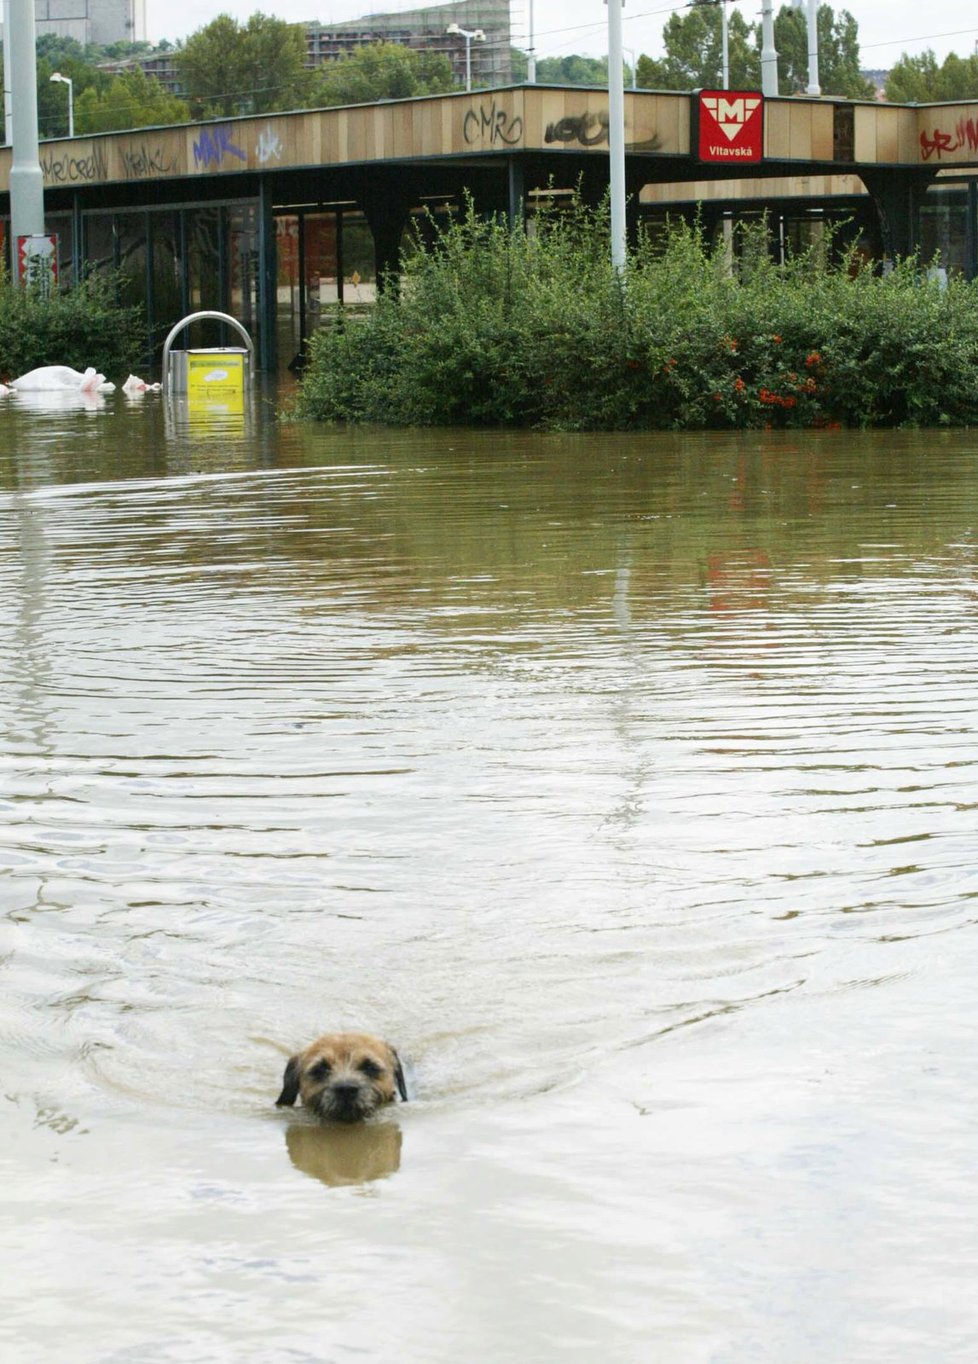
499	327
79	326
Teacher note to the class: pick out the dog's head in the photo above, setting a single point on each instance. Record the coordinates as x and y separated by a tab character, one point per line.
343	1077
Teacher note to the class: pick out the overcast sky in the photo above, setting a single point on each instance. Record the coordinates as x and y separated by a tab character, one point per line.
886	27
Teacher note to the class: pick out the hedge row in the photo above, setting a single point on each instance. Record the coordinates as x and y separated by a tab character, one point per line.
80	326
499	327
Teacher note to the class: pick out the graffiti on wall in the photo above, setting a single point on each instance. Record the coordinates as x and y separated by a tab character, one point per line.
143	161
214	146
938	142
269	146
587	129
63	168
492	124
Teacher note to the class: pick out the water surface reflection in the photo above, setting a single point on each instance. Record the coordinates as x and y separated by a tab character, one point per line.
627	784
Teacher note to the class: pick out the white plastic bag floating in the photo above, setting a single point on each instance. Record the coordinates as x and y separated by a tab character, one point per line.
136	385
61	379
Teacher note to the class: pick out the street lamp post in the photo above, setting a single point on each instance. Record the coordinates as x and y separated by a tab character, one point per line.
724	43
531	55
769	54
813	86
630	52
8	103
616	135
26	179
66	80
470	35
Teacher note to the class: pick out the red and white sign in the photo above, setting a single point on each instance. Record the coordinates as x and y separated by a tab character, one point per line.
37	262
730	126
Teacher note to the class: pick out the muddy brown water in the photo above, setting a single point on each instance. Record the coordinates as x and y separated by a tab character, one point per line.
628	784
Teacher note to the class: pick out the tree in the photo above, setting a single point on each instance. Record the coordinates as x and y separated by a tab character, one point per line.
572	70
123	48
919	80
693	52
838	53
694	56
384	71
60	52
52	99
130	100
227	68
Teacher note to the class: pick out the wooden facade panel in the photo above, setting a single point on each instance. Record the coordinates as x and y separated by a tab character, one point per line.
777	130
446	120
658	124
947	135
672	121
757	187
909	137
887	140
490	123
864	139
823	132
408	129
567	119
800	131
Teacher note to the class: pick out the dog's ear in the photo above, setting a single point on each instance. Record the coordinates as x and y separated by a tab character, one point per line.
399	1076
290	1084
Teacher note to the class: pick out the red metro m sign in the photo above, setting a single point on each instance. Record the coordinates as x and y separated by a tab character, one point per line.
729	126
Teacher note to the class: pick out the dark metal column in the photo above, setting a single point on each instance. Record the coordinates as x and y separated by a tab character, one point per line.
301	271
339	256
150	283
387	201
184	262
897	195
223	260
77	239
516	212
267	279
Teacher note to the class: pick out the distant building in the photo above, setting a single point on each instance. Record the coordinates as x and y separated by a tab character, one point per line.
420	29
424	30
879	81
92	21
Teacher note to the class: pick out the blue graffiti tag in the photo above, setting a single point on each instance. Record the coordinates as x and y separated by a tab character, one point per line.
212	147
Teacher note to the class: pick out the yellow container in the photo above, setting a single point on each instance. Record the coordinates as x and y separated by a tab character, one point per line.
216	379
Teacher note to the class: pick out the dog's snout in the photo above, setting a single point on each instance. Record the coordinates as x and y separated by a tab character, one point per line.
345	1089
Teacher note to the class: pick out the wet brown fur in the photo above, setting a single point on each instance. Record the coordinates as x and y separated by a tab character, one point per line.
343	1077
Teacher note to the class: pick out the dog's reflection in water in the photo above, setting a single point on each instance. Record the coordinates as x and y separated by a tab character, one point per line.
348	1154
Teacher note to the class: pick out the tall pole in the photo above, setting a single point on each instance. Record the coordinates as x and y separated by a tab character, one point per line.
616	133
769	55
8	103
725	44
26	181
813	86
531	56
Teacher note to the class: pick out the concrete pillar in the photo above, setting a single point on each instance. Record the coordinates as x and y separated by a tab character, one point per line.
26	181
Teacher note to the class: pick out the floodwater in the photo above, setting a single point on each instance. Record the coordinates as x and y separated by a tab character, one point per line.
629	785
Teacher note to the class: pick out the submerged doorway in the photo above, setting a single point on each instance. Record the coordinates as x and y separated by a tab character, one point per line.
325	267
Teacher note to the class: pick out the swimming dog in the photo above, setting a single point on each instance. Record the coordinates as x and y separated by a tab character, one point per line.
343	1077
